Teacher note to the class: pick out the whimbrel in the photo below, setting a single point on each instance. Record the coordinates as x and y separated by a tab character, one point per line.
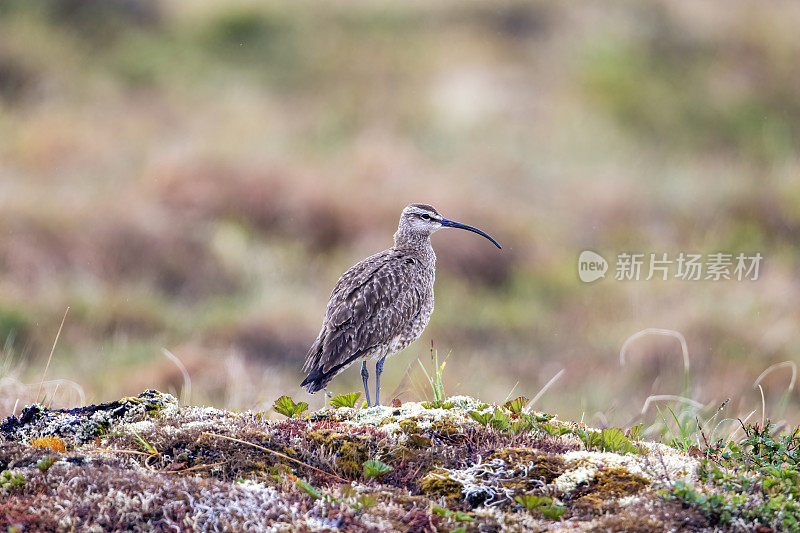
382	304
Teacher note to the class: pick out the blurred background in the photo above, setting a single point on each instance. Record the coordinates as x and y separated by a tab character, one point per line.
195	176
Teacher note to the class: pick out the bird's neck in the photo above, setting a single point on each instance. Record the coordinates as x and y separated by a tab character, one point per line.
414	242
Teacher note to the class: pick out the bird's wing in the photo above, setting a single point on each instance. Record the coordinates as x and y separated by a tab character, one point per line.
369	306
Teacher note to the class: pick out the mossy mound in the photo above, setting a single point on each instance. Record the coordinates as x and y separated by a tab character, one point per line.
192	468
83	424
350	451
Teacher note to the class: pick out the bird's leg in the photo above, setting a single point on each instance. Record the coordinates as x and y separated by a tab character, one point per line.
378	371
365	379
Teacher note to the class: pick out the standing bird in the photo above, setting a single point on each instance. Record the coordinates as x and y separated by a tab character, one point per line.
382	304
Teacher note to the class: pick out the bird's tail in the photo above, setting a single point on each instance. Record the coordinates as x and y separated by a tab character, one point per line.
315	381
318	376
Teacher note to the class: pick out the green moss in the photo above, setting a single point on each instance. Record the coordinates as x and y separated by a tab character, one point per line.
288	450
418	441
446	428
14	481
608	485
153	407
617	482
155	411
102	428
409	426
351	451
439	483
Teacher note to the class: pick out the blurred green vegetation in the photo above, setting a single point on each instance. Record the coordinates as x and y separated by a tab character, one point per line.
196	176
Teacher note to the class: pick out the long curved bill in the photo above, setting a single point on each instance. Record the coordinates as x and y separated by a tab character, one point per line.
453	224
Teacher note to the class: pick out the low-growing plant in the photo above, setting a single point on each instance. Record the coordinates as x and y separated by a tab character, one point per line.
516	405
308	488
607	440
45	463
714	505
437	386
345	400
633	432
286	406
523	424
541	504
457	516
14	481
684	439
756	479
765	449
481	418
365	502
432	405
374	468
144	444
555	430
500	420
780	509
279	472
517	423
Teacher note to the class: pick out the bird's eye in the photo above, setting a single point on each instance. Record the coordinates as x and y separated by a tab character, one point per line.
425	217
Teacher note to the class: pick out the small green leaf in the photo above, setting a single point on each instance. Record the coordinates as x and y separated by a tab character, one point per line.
616	441
500	420
555	431
541	504
516	405
418	441
608	440
374	468
286	406
345	400
633	433
522	425
481	418
458	516
365	502
307	487
553	512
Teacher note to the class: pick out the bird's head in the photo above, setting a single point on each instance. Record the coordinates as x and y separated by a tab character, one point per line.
421	220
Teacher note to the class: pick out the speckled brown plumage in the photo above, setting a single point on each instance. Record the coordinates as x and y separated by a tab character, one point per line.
380	305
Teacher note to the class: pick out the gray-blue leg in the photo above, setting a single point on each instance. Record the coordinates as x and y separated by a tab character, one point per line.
365	379
378	371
